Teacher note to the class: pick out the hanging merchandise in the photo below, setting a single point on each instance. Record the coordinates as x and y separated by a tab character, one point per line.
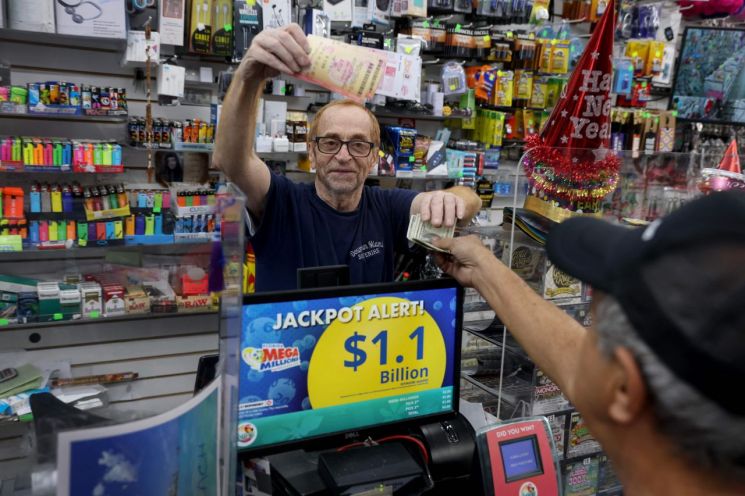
361	14
665	75
420	29
623	76
402	77
338	10
440	5
453	79
247	23
438	36
539	12
481	43
460	42
568	165
484	79
171	22
666	133
464	6
409	45
200	30
501	49
102	18
412	8
222	28
503	89
523	87
381	11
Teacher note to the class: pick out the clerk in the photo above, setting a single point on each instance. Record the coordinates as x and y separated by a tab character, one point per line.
336	220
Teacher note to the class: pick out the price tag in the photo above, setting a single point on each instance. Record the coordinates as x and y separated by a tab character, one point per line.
457	28
228	28
425	24
412	158
364	359
487	38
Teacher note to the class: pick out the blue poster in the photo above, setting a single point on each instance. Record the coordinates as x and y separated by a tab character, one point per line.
175	453
318	366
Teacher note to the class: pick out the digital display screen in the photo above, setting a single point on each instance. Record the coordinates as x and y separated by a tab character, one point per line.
709	85
520	458
315	366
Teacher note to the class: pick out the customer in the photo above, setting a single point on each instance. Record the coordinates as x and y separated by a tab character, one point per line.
337	220
658	377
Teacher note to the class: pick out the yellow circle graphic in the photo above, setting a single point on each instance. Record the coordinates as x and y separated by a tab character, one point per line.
392	346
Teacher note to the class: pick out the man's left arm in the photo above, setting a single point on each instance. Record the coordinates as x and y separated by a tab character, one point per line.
447	207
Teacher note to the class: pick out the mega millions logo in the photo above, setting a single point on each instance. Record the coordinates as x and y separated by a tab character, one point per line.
272	357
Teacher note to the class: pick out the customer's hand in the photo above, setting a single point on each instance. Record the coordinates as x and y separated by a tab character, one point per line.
273	51
440	208
466	259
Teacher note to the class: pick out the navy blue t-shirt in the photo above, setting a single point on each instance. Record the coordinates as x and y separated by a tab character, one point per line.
300	230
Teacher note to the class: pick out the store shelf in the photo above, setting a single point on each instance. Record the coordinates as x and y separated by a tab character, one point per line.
56	170
108	252
82	331
194	147
89	42
280	155
200	85
412	115
63	117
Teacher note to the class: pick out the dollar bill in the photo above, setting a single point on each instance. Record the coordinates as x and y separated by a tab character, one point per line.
423	233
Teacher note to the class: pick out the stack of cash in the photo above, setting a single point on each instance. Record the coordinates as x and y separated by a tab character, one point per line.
423	233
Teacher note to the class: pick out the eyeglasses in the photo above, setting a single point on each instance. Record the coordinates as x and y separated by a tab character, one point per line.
356	148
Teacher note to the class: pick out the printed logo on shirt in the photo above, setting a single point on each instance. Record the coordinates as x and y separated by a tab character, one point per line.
367	250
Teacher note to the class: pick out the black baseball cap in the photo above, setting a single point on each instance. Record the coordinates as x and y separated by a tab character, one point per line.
681	283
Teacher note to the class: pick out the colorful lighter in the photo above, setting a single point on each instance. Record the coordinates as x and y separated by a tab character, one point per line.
116	155
71	229
53	232
129	225
48	154
118	230
149	225
56	198
34	232
140	225
159	224
66	199
67	154
61	230
43	230
100	231
106	155
97	154
110	229
82	233
35	199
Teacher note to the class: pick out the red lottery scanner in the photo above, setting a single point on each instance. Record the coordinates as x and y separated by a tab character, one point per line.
518	458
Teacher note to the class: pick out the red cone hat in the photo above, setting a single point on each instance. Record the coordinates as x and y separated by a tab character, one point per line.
569	165
731	160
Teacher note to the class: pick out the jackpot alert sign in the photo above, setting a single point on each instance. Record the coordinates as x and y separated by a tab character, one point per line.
326	365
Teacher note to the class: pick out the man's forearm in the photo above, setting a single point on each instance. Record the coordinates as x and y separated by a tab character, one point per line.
234	143
547	334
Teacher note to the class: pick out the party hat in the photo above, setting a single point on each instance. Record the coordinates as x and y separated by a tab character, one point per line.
569	165
728	175
731	160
